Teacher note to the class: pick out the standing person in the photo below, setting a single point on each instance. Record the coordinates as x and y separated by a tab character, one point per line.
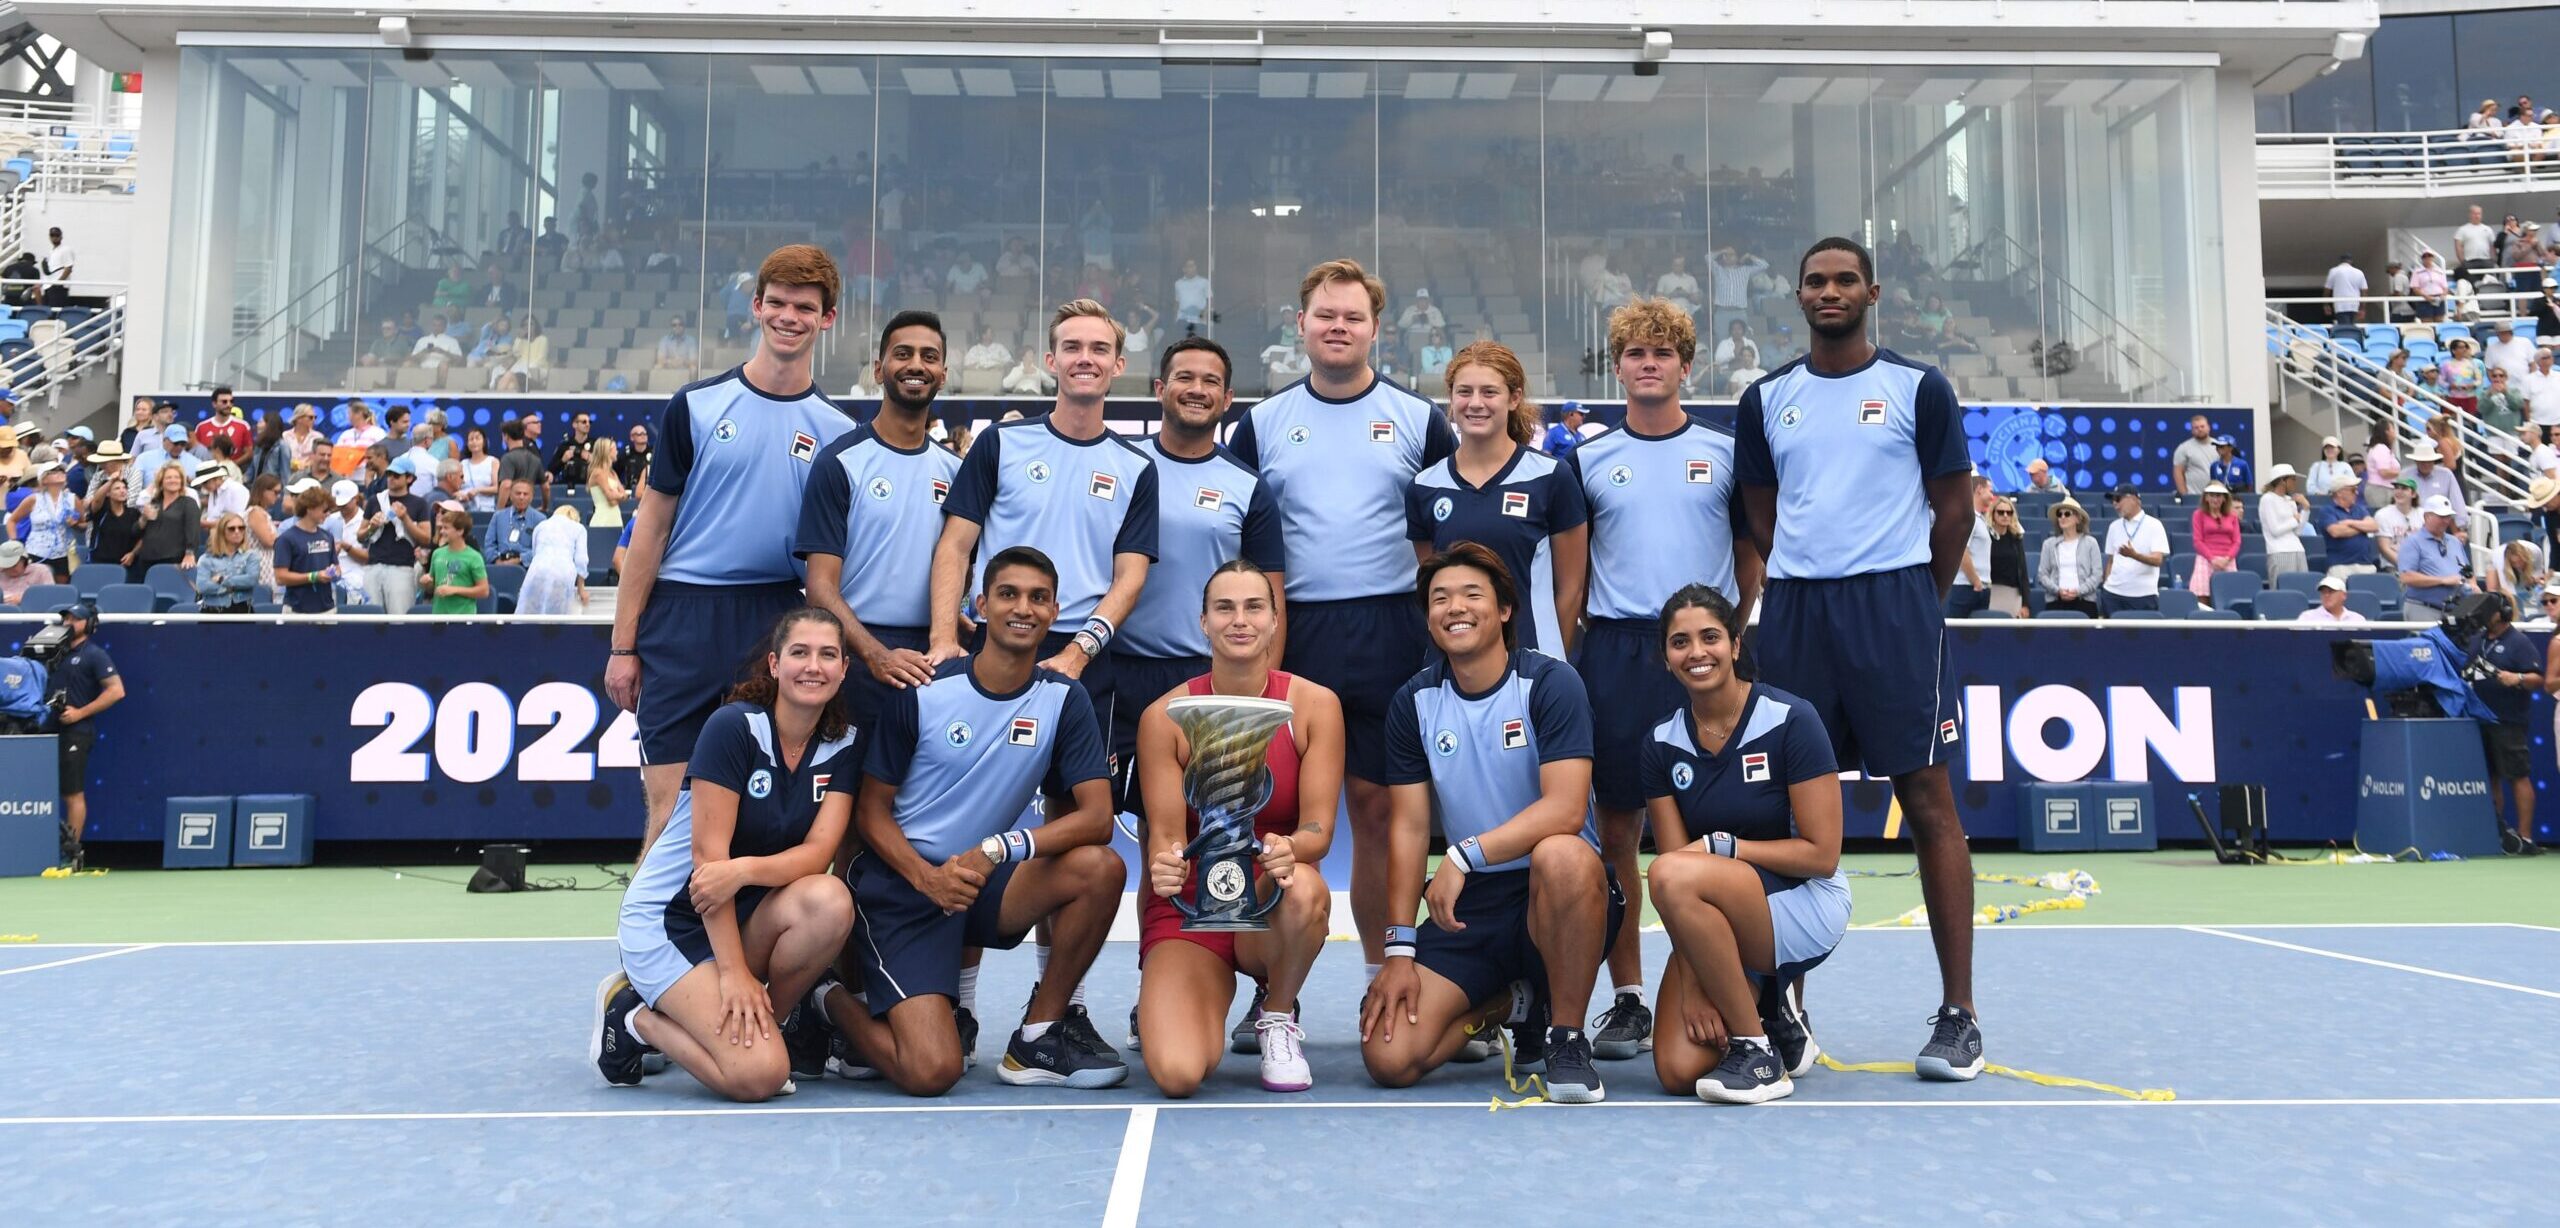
2069	566
2215	525
568	465
2327	473
1757	896
2008	560
226	577
510	536
2351	531
2191	465
2136	547
224	424
1855	476
1972	589
633	464
1187	978
1497	742
1498	491
521	465
1339	447
307	564
2281	513
116	527
2346	292
48	521
457	579
710	564
2431	563
396	524
871	516
268	453
58	263
90	685
942	865
2508	694
2381	462
1663	503
2474	245
733	915
479	472
555	572
172	527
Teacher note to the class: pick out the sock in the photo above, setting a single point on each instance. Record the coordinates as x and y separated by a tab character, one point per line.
1559	1034
969	990
1040	961
1519	1003
1373	970
631	1023
1076	998
1756	1042
1275	1015
1635	991
1034	1031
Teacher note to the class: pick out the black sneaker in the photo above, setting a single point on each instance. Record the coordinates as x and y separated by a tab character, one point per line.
1570	1076
1748	1074
1623	1031
1243	1038
1954	1051
968	1022
1529	1037
1077	1023
1790	1031
1057	1060
615	1049
1133	1029
808	1038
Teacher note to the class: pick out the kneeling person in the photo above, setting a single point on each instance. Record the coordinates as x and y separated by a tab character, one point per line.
733	915
1501	740
1759	896
1187	979
950	768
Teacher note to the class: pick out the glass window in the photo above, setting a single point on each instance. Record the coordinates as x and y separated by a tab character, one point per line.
1295	156
1626	159
2413	76
1460	174
2503	56
960	158
1127	196
791	163
2339	102
1787	166
1954	229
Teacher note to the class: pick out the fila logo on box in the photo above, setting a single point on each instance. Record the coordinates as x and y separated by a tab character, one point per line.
1382	432
1026	731
1755	768
1702	470
803	445
1105	486
1515	504
941	491
818	786
1515	734
1871	413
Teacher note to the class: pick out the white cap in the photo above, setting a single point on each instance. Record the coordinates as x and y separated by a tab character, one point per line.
302	484
2280	472
2424	450
2437	505
343	492
2335	584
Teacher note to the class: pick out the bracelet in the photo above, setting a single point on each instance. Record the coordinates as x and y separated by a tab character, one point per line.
1721	844
623	652
1401	940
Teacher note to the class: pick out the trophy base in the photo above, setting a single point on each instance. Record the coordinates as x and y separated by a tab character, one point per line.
1210	926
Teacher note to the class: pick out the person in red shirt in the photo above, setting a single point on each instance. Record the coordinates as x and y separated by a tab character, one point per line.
225	422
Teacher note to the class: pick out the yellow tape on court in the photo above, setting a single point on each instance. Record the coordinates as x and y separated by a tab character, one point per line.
2160	1094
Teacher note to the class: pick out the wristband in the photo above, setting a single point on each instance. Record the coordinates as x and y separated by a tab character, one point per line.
1721	844
1015	845
1468	854
623	652
1401	940
1101	629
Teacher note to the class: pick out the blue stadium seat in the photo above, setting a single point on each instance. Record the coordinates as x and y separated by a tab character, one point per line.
1986	612
600	543
2528	328
2182	563
2447	333
94	576
2234	590
2202	615
127	599
2133	615
2279	605
359	611
46	598
2365	603
171	584
2384	589
2381	334
266	607
2062	615
2306	583
2176	602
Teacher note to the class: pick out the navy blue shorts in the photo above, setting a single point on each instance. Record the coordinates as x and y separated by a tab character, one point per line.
1621	659
865	696
906	946
1494	949
1366	649
1867	652
1137	682
695	641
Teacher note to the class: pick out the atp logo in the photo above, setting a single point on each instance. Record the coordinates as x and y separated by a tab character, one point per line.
760	785
1446	743
724	430
880	488
1620	475
958	734
1440	508
1037	471
1683	776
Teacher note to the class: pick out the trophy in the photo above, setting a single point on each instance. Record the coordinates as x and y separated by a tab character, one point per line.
1226	783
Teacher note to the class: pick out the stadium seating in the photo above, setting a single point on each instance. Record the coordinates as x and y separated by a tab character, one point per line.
171	584
2234	590
127	599
2384	589
49	597
2176	603
2279	605
2366	603
2306	583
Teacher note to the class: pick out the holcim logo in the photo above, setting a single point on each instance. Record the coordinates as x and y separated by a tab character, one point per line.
2430	788
2387	788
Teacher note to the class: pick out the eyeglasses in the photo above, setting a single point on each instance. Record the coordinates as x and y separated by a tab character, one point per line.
235	529
2003	511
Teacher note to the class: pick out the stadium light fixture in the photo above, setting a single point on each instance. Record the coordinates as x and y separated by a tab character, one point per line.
1652	48
395	31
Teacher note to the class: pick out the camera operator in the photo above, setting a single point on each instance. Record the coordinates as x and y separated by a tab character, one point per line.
2431	563
87	682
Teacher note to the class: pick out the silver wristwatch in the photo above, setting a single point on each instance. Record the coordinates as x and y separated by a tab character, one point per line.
993	847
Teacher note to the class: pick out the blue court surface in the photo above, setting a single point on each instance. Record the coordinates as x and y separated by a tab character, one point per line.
2322	1074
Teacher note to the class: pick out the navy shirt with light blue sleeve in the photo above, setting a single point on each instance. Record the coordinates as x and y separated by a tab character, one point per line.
1080	501
738	460
1481	753
1851	455
1209	510
1662	516
1743	788
307	550
776	804
878	507
1338	471
1516	514
966	760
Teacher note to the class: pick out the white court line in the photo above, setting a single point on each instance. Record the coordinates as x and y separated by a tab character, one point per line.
80	959
1478	1104
1129	1180
2378	963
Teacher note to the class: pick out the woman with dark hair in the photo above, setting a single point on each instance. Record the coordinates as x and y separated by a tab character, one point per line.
479	472
1756	900
2008	559
1500	492
2216	526
2069	567
1187	979
733	914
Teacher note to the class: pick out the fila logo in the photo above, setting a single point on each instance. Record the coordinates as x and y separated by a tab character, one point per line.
1515	734
1871	413
1207	500
818	786
941	491
1382	432
1515	504
1947	732
1105	487
1026	731
803	445
1755	768
1701	471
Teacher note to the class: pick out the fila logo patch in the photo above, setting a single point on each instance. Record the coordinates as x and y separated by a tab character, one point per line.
1207	500
1382	432
1515	734
1871	413
1515	504
1105	487
803	445
1755	768
818	786
1701	471
1947	731
1026	731
941	491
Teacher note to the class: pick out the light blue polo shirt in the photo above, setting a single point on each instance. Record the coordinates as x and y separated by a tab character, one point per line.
879	508
1209	511
1481	753
1338	471
1851	455
1079	501
966	761
1661	516
737	461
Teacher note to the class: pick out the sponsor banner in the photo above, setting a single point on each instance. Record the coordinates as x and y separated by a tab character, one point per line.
486	730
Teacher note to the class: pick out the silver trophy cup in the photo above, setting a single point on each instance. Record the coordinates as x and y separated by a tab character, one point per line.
1226	784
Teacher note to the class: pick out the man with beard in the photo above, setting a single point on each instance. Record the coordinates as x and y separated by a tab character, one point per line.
1858	490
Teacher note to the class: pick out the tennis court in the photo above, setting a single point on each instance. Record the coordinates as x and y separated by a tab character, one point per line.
314	1058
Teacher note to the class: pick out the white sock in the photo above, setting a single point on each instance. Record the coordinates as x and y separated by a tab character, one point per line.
969	990
1040	959
1076	998
1373	970
1034	1031
1637	990
1757	1042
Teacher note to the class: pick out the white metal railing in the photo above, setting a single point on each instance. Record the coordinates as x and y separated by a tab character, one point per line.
2457	160
2357	389
61	350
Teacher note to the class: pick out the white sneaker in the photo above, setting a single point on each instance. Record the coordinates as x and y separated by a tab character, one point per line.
1284	1057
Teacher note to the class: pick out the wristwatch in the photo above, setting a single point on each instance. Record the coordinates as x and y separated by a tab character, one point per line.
993	849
